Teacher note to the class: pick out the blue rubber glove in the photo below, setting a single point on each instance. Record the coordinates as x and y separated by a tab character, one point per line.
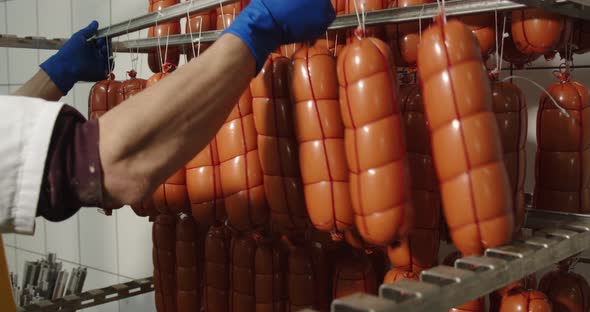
265	24
79	60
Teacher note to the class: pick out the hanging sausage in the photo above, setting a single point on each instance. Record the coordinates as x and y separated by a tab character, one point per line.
320	133
217	269
536	31
189	262
242	274
527	283
163	54
103	97
196	24
354	273
513	56
396	274
271	270
483	26
521	300
334	40
568	291
163	238
355	7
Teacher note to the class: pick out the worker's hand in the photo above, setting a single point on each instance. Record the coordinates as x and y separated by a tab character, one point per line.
265	24
79	60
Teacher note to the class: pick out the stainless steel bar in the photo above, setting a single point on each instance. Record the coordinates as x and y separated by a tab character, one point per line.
39	43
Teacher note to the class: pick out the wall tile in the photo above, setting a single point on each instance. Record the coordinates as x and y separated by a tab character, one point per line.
63	239
85	11
98	240
142	303
10	253
3	22
3	65
96	279
22	17
23	64
4	90
135	244
35	243
55	18
81	92
123	10
9	239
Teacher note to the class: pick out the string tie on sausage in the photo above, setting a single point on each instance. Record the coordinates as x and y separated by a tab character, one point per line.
561	109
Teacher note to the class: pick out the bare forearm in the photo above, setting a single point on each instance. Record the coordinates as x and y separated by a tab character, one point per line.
40	86
153	134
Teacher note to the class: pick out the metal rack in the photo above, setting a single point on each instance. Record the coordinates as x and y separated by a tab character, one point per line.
573	8
558	236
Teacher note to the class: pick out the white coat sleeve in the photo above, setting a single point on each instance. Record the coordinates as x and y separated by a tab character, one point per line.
26	127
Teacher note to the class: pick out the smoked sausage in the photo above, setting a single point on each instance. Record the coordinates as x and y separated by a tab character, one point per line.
308	276
374	141
163	55
567	290
277	146
563	152
581	36
397	274
241	173
188	264
513	56
353	274
130	87
242	274
536	31
483	27
477	305
404	38
527	283
170	197
511	115
466	143
196	24
270	268
521	300
163	238
420	250
320	133
370	5
103	97
217	269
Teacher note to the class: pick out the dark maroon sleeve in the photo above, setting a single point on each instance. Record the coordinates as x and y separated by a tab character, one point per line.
73	172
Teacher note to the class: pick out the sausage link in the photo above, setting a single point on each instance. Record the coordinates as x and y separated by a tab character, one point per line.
320	133
217	269
130	88
397	274
163	237
483	26
370	5
242	274
536	31
188	265
170	197
581	36
567	291
403	38
374	140
102	98
196	24
353	274
270	264
308	277
163	55
529	282
477	305
273	118
420	250
519	299
466	143
513	56
511	115
563	153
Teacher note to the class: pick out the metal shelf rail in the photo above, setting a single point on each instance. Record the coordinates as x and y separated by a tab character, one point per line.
574	8
93	298
559	236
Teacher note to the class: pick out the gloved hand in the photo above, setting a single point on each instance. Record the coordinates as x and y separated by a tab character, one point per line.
265	24
79	60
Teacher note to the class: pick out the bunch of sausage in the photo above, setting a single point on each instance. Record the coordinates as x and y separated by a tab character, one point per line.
327	172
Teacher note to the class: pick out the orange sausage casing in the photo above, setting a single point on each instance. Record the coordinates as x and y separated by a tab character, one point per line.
242	274
320	133
227	13
466	143
520	299
217	269
130	87
270	268
568	291
163	237
188	264
513	56
374	140
563	152
308	278
163	55
483	27
370	5
277	146
170	197
404	37
353	275
511	116
536	31
396	274
420	250
103	97
196	24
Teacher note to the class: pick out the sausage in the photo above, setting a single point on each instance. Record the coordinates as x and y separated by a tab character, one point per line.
477	305
308	276
370	5
189	249
242	274
170	197
509	104
334	40
483	26
273	118
270	268
397	274
581	36
163	55
420	250
241	173
196	24
130	87
145	208
567	290
163	237
227	13
527	283
404	38
103	97
217	269
563	153
513	56
466	145
203	182
536	31
353	274
320	133
374	141
519	299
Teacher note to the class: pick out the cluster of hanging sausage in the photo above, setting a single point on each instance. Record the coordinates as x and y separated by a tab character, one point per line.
327	172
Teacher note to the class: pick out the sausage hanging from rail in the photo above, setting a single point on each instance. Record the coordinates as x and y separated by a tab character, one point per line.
163	238
518	299
536	31
217	269
242	273
354	6
353	274
483	27
375	142
163	54
103	97
568	291
466	145
271	270
196	24
188	266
